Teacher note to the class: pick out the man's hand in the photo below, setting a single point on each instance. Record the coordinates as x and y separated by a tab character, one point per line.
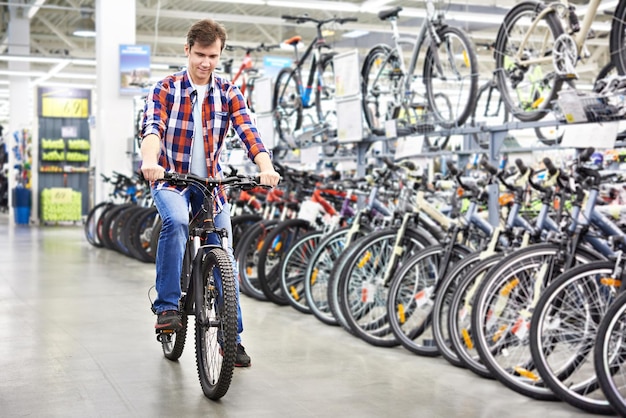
267	174
152	171
269	177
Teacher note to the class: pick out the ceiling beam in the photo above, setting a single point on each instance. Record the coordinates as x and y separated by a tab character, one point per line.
57	32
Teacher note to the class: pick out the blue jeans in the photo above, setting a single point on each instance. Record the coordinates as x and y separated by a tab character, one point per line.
173	208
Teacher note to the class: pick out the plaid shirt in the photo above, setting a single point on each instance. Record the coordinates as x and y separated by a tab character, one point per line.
168	114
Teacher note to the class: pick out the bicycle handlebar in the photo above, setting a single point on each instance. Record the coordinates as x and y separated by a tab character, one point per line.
258	48
185	179
306	18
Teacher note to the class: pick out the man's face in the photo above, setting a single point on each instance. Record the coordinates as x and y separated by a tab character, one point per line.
202	60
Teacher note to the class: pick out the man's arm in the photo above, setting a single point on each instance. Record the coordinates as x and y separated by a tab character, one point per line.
150	152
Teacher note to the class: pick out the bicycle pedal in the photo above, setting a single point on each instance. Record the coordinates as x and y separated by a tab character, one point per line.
164	337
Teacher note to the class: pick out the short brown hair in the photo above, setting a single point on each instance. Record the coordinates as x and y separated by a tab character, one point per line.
206	31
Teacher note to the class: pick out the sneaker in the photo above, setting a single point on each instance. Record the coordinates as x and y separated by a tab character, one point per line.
242	359
168	321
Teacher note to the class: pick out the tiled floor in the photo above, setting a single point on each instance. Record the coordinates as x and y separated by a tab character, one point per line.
77	340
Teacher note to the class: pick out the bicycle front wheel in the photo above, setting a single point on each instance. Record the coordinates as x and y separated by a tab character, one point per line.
451	67
618	38
563	330
382	77
610	354
216	322
525	71
287	105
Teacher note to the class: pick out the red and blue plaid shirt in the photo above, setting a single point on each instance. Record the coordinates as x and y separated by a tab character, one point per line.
168	114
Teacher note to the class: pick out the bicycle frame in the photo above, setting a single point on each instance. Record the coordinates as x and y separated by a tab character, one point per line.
579	37
315	69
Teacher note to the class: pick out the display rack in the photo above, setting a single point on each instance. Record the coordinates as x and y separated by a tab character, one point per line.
64	153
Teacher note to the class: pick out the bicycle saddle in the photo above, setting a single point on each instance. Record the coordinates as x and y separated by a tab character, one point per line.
386	14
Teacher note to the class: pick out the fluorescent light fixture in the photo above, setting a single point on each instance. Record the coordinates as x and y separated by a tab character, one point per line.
85	28
336	6
4	82
355	33
75	76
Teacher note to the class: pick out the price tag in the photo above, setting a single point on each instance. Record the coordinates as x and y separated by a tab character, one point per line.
64	107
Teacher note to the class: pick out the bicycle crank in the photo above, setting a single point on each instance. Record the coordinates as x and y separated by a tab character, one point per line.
565	56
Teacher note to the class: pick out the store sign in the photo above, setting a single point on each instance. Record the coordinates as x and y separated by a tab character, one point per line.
273	64
57	102
134	69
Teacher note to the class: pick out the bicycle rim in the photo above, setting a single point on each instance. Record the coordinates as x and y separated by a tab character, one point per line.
618	38
410	300
293	270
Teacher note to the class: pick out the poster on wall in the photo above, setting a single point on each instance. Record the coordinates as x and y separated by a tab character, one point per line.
134	69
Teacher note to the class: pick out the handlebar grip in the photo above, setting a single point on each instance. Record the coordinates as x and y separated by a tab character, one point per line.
288	17
586	154
521	166
348	19
549	166
491	169
451	168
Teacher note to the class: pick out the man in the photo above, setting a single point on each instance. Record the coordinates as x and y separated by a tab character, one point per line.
186	118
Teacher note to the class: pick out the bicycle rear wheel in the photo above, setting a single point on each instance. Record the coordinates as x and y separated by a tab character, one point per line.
527	87
216	322
451	67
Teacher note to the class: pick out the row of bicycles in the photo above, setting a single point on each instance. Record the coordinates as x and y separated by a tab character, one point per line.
536	302
127	221
430	81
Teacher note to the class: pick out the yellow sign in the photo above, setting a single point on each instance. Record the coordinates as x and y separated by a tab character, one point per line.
64	107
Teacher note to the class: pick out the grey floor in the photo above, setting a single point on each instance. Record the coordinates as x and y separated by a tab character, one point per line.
77	340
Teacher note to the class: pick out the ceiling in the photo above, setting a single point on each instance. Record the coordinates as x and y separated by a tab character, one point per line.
162	24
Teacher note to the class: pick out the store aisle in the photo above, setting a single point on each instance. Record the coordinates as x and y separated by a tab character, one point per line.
78	341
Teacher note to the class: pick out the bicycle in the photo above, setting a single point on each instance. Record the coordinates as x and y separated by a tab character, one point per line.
292	96
536	53
208	291
449	75
247	73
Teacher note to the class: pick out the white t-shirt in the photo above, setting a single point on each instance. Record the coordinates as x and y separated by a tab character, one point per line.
198	164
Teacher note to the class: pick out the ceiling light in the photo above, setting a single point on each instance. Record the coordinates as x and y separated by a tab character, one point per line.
85	28
255	2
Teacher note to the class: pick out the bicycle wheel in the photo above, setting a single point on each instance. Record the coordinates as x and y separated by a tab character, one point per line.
441	307
610	354
411	294
617	42
460	314
275	246
361	288
318	273
240	225
382	76
563	330
294	267
451	67
488	110
93	222
247	257
216	322
502	310
527	87
140	230
287	105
